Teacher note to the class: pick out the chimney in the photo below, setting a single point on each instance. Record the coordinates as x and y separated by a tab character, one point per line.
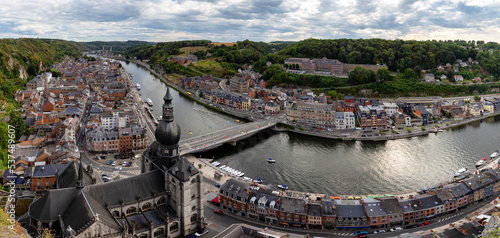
464	231
43	169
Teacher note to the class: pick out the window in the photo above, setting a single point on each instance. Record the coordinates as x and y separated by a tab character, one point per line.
174	227
193	196
193	208
161	201
159	232
131	210
146	206
116	214
194	217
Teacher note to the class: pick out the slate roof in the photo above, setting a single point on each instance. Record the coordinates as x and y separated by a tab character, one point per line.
231	186
391	206
293	205
183	169
314	210
453	233
430	201
52	204
353	211
328	208
143	185
460	190
49	170
374	209
69	176
444	194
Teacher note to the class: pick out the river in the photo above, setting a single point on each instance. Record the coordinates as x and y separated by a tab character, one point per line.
313	164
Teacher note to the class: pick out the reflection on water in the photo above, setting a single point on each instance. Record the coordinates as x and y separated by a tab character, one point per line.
334	167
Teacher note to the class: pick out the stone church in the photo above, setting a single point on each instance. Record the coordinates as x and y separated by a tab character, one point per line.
163	201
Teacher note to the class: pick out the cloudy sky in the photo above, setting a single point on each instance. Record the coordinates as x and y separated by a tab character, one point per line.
259	20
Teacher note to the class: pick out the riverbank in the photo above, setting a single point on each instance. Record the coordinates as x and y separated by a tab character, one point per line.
341	135
361	135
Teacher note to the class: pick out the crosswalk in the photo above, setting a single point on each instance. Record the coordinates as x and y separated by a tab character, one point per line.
446	218
344	234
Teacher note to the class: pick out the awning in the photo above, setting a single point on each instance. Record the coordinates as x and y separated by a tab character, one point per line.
216	200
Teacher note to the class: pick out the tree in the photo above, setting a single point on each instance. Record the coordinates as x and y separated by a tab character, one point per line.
450	75
410	74
200	166
477	98
383	74
418	71
332	93
361	75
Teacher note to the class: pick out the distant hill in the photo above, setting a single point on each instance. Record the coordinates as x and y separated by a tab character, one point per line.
114	45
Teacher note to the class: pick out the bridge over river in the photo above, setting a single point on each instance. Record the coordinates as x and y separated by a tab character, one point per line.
228	135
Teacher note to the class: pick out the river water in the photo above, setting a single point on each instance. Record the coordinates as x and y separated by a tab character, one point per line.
313	164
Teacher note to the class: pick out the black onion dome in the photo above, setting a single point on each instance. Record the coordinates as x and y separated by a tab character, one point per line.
168	131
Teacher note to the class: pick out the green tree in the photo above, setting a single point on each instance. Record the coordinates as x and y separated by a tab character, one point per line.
418	71
383	74
477	98
332	93
410	74
450	75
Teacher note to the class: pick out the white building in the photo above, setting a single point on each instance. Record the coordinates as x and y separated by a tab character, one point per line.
390	108
344	120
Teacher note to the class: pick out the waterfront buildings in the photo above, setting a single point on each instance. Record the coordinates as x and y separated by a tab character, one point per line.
372	117
345	120
292	208
311	113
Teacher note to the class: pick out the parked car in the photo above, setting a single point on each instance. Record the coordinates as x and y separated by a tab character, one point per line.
129	164
379	231
396	229
218	185
124	163
361	236
218	212
114	163
109	162
118	168
200	233
425	223
361	233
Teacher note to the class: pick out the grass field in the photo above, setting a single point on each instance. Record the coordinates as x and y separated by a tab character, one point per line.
209	67
226	44
191	49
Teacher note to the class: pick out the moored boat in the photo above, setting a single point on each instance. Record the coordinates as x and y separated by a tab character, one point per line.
495	154
271	160
462	171
138	86
282	186
481	162
149	102
258	180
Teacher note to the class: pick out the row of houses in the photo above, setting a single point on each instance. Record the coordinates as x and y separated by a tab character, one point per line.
292	208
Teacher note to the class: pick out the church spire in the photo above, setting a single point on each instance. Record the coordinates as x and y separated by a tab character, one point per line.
79	181
168	108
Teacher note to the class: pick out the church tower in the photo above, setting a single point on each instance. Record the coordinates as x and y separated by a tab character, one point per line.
164	152
183	182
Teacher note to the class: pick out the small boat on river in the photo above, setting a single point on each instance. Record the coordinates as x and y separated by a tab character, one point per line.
462	171
271	160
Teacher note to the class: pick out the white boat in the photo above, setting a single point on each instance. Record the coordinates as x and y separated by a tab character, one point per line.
258	180
282	186
222	167
247	178
495	154
138	86
271	160
460	172
479	163
149	102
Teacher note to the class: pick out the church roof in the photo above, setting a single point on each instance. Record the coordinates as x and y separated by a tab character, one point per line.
52	204
88	210
68	177
128	189
183	169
